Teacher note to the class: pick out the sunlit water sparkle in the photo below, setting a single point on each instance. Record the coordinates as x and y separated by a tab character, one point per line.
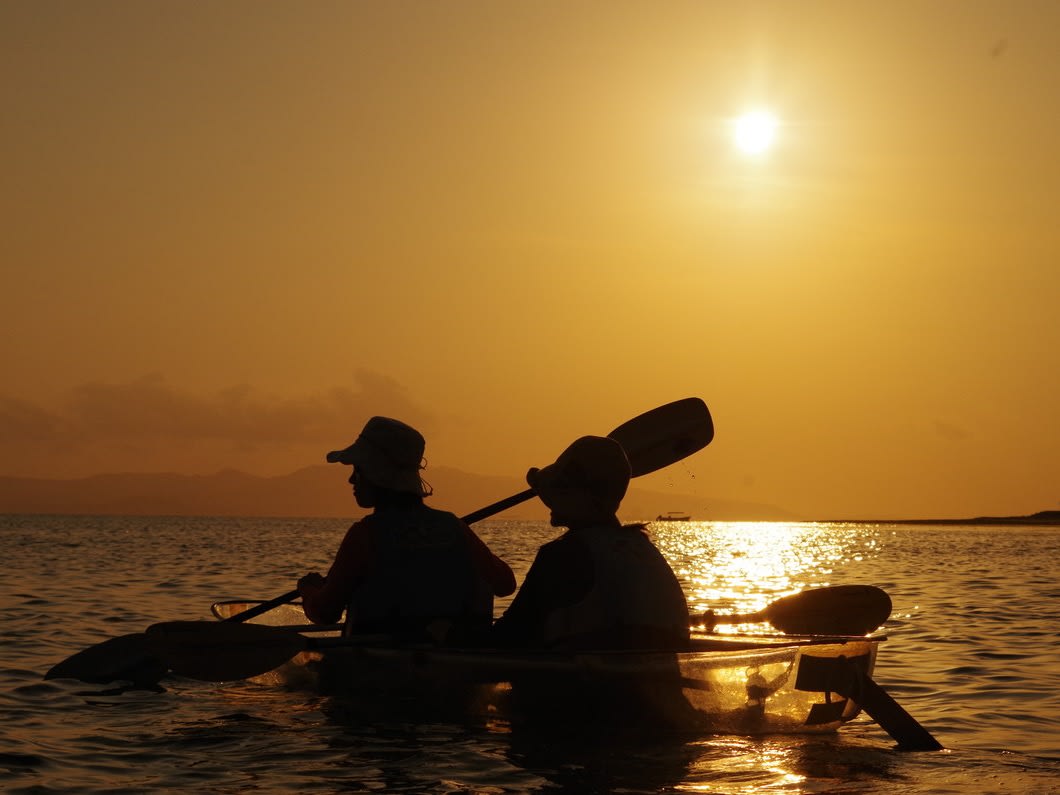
972	654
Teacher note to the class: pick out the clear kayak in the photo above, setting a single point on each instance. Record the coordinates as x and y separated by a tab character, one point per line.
745	684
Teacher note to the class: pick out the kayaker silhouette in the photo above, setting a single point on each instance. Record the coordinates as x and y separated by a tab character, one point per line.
601	585
406	570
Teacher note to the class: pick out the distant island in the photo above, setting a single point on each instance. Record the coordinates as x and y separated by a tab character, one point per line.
1042	517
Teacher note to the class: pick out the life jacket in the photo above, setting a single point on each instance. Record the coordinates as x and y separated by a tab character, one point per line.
424	579
635	601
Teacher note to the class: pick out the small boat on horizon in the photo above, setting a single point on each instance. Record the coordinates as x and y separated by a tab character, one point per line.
674	516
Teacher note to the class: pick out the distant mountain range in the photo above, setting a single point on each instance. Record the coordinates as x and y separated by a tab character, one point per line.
318	491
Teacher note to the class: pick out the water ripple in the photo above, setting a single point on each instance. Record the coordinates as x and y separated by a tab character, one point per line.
971	655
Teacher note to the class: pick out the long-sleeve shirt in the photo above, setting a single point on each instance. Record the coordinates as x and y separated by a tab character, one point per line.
358	558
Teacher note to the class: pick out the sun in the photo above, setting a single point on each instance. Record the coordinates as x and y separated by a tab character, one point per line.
755	132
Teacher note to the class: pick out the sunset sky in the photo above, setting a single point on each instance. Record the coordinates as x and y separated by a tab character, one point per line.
233	231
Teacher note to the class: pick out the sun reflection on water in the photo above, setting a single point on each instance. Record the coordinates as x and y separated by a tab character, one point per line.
748	766
741	567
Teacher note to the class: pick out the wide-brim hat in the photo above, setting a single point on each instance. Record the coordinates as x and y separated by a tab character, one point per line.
587	481
389	453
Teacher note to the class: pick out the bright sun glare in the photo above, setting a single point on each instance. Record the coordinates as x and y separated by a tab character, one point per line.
754	132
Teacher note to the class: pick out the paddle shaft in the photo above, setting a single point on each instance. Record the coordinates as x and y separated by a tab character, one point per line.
263	607
709	617
497	507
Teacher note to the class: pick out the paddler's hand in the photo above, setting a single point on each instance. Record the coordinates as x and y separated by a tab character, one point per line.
708	620
311	582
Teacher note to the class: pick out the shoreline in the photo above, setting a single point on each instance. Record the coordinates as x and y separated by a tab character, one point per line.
1040	518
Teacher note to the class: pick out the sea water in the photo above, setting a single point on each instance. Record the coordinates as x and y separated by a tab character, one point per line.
972	654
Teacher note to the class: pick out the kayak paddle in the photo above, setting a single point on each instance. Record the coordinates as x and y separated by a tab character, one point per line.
842	610
652	440
836	610
129	657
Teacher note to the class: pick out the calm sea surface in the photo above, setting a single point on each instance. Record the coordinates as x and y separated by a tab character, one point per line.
973	655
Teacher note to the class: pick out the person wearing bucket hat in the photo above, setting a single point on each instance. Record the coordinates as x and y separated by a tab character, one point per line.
602	584
405	569
389	454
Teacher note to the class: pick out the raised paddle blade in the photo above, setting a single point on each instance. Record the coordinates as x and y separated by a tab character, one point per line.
652	440
665	435
219	651
835	610
126	657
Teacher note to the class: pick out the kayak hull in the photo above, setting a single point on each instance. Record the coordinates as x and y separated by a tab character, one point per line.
765	689
736	684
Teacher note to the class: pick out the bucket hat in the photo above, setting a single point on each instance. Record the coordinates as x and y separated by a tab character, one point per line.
389	453
587	481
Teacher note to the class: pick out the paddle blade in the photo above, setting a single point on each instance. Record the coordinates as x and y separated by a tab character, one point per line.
893	718
836	610
665	435
219	651
126	657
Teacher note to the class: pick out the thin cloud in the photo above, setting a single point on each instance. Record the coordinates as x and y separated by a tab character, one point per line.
150	408
21	421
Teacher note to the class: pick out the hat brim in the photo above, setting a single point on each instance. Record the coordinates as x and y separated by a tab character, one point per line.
368	464
341	456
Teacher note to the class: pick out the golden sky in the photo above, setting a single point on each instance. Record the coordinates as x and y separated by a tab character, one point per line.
232	231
